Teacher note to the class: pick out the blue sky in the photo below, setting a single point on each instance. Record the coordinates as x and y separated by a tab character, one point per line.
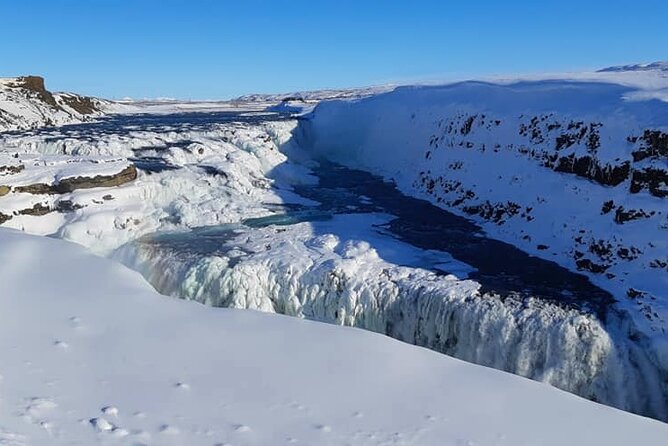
220	49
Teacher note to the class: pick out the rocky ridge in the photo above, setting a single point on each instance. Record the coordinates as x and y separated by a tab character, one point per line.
25	103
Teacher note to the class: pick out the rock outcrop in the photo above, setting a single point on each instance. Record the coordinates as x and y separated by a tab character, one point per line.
25	103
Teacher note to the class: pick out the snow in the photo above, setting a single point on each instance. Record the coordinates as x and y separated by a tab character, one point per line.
50	169
478	146
22	109
106	360
341	271
218	175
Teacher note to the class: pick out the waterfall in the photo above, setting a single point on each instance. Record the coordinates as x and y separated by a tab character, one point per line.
347	283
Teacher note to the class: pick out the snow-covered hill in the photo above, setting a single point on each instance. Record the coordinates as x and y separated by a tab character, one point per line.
654	66
92	355
572	170
25	103
317	95
303	101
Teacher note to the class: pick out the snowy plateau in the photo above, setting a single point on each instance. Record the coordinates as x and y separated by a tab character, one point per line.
425	240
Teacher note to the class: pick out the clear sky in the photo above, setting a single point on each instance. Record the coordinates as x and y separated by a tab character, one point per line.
194	49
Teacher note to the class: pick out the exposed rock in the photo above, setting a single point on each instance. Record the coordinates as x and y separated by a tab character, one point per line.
67	206
4	218
37	210
12	169
35	84
652	179
84	105
588	167
588	265
36	189
658	263
71	184
4	190
655	145
497	212
633	293
607	207
622	215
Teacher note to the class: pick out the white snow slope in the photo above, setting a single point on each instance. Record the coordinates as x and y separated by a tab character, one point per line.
92	355
575	171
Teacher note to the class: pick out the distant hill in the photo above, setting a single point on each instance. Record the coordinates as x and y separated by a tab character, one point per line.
654	66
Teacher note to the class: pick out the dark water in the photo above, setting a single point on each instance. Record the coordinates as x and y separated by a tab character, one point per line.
159	123
501	267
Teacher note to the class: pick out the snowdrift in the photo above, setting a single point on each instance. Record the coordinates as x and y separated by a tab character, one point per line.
93	355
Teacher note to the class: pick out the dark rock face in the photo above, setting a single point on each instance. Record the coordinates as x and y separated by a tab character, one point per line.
654	180
37	210
12	169
654	146
607	207
124	176
588	265
4	218
67	206
496	212
82	104
623	215
567	146
588	167
35	84
36	189
33	87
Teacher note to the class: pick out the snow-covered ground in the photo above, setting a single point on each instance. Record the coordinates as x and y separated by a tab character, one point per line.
215	164
92	355
572	169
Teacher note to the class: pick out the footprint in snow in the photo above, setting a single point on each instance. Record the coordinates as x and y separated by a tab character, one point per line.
112	411
101	424
168	429
120	432
242	428
37	408
61	344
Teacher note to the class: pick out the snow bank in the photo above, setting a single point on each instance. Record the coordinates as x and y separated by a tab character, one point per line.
92	355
